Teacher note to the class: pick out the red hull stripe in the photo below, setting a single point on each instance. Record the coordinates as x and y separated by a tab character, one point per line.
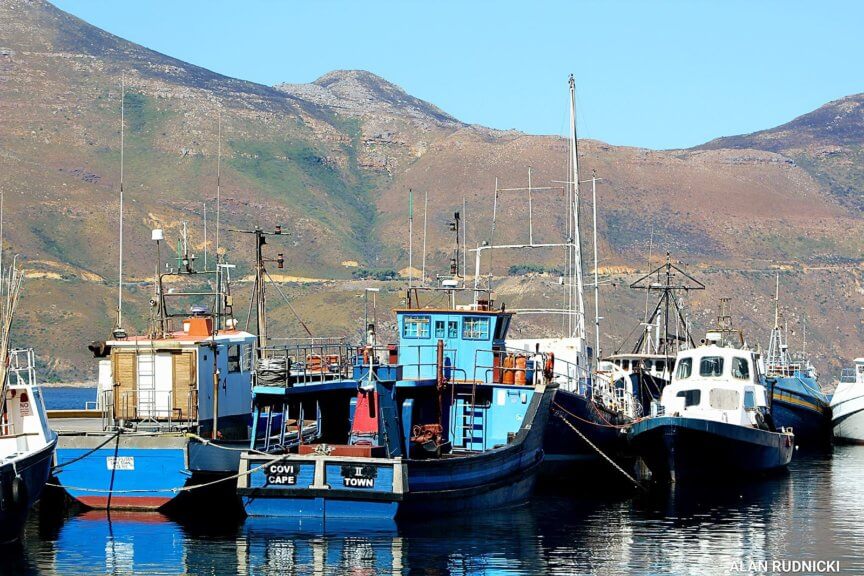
124	502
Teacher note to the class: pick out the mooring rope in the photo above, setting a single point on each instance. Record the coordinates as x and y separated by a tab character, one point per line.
603	454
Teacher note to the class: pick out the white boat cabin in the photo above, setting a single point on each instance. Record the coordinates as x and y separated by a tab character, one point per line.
173	379
716	383
23	427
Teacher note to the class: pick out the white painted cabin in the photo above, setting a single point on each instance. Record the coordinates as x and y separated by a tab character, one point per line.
716	383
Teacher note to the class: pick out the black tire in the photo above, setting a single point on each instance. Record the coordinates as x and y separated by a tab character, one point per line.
19	493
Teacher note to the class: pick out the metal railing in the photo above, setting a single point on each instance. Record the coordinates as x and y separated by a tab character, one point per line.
302	362
156	408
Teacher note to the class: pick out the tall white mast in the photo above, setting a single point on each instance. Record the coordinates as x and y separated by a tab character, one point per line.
120	267
410	238
596	275
576	284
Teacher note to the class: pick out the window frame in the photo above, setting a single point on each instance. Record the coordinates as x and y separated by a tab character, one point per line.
738	360
687	394
418	320
470	330
684	362
234	355
712	374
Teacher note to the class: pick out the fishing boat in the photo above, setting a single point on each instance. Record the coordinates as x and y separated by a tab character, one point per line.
665	330
26	441
713	420
189	377
847	405
797	400
443	422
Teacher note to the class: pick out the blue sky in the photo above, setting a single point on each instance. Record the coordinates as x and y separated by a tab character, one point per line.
662	74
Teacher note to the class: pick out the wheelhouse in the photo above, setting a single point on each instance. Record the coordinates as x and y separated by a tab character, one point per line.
716	383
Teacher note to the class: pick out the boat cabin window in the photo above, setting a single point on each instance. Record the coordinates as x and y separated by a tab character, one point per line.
685	368
691	397
722	399
475	328
749	400
740	369
711	367
452	329
416	327
625	364
660	365
439	329
233	358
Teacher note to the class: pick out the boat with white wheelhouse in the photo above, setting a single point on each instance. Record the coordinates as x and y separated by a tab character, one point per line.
713	420
847	405
26	444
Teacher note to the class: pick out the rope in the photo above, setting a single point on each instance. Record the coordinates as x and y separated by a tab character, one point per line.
603	454
86	454
172	490
562	409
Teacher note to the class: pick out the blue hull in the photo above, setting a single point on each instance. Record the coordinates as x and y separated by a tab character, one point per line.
676	448
807	414
139	473
565	449
18	496
497	478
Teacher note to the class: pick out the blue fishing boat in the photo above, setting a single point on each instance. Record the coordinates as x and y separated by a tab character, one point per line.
26	444
797	400
189	377
446	421
713	420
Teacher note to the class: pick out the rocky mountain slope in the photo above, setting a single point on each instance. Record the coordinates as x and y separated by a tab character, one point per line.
332	162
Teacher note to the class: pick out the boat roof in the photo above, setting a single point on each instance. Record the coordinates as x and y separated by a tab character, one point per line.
181	338
466	312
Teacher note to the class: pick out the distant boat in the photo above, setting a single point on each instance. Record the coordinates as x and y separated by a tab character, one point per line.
26	444
713	420
797	400
847	405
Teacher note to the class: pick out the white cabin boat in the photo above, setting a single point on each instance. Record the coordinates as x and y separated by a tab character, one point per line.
847	406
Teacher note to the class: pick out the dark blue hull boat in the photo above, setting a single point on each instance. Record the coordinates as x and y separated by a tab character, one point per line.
21	487
798	403
565	449
676	448
323	485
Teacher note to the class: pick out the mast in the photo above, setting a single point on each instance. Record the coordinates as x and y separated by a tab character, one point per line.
425	209
596	274
120	267
776	358
410	238
577	297
220	296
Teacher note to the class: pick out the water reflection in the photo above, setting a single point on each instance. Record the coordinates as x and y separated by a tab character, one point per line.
811	512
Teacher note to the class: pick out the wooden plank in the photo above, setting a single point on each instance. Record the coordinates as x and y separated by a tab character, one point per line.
184	384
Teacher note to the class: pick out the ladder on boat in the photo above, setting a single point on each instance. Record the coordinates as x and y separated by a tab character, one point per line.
472	424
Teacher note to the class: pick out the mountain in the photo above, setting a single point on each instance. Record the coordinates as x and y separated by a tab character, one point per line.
332	162
828	143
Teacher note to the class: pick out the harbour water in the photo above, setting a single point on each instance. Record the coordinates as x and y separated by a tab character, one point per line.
812	512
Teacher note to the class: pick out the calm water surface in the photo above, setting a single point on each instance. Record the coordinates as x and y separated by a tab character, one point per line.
813	512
